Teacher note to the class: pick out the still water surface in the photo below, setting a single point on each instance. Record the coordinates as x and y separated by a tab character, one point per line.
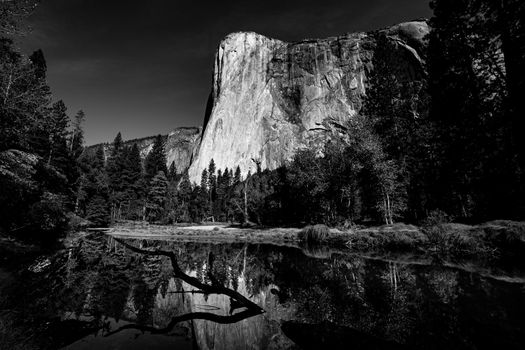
136	294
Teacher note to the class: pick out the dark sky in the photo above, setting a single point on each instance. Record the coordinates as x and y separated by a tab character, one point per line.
144	67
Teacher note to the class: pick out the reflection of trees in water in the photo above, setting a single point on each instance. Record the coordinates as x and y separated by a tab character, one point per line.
237	300
426	306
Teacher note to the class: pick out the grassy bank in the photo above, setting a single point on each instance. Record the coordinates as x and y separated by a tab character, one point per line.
495	238
491	239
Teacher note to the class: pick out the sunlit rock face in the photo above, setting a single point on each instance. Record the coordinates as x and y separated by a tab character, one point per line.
270	98
181	143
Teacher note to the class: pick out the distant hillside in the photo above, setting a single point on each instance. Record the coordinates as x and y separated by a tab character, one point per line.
180	145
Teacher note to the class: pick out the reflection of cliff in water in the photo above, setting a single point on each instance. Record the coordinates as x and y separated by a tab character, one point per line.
180	298
251	333
101	290
415	304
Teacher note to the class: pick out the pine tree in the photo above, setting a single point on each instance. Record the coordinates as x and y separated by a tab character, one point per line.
99	161
212	187
114	163
58	131
219	193
469	97
172	172
97	210
132	183
114	168
77	136
203	198
93	192
237	176
155	160
157	196
132	172
39	63
184	193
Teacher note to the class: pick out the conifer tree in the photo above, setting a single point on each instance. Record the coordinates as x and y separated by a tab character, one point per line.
97	210
172	172
94	190
219	193
77	136
237	176
58	132
133	182
184	193
115	168
212	186
157	196
203	196
155	160
39	62
132	172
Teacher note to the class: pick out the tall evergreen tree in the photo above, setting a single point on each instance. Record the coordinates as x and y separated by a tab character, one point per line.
94	190
172	172
39	62
237	176
184	193
155	160
212	186
115	168
132	183
77	135
477	169
58	130
157	196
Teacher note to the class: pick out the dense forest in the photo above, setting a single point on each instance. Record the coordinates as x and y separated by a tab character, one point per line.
446	144
39	143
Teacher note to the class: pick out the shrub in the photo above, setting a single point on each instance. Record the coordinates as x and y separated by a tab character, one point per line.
451	238
435	230
314	234
395	237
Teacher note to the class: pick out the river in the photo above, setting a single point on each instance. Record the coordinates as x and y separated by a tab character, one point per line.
105	293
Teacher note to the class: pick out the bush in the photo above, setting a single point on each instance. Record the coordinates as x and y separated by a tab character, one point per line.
395	237
314	234
450	238
507	236
434	228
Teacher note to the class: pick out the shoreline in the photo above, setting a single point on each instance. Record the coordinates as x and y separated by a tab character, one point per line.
488	240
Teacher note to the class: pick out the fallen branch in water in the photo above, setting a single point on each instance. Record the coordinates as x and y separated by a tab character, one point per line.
252	309
187	317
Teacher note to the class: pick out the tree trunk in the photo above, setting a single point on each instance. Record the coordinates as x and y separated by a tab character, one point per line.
245	202
388	215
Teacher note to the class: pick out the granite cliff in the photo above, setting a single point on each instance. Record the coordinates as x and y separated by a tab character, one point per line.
270	98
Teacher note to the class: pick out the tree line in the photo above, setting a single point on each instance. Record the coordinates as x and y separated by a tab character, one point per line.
446	139
449	140
120	186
